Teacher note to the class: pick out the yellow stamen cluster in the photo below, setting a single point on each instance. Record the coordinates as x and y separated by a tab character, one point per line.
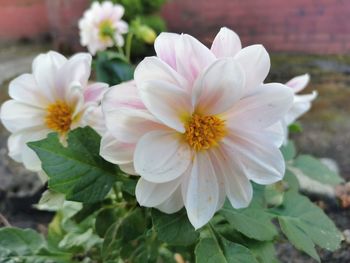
106	30
59	117
203	132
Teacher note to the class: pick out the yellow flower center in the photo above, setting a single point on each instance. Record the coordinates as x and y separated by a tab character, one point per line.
204	132
59	117
106	30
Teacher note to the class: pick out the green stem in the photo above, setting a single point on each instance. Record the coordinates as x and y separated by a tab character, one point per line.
128	46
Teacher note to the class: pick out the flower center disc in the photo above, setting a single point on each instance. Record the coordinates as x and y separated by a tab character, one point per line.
59	117
106	30
203	132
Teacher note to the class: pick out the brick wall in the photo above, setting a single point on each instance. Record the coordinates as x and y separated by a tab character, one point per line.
311	26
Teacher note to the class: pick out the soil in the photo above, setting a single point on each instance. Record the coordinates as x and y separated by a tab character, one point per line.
326	133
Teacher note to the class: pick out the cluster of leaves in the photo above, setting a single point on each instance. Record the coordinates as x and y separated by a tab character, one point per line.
102	222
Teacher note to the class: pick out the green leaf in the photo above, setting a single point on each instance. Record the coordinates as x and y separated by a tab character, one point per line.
105	219
316	170
295	127
291	181
112	69
174	229
211	250
253	222
21	241
288	151
77	170
305	225
263	251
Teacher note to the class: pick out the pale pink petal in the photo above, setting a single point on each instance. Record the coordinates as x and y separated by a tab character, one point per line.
128	125
128	168
161	156
168	103
237	186
275	133
17	116
255	61
200	191
150	194
45	69
165	48
95	92
192	57
124	95
173	204
152	68
122	27
25	89
226	43
115	151
261	161
301	104
299	83
219	87
262	109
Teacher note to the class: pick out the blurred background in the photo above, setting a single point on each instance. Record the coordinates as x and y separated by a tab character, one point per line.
302	36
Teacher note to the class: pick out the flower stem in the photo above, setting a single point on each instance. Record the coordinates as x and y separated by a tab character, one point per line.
128	46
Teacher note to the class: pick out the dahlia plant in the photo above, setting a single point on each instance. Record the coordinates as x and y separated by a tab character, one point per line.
188	162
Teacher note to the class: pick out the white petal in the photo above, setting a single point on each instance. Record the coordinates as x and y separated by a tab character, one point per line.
153	194
128	125
261	160
173	204
115	151
95	92
262	109
237	186
226	43
25	89
128	168
161	156
299	83
165	47
152	68
255	61
17	116
219	87
192	57
301	104
167	102
200	191
45	69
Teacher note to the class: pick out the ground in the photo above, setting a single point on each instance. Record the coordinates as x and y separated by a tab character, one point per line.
326	133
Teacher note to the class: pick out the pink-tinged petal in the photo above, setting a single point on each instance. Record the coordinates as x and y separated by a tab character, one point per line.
45	69
161	156
128	168
168	103
261	161
129	125
124	95
301	104
192	57
76	70
173	204
95	92
262	109
255	61
226	43
152	68
115	151
237	186
219	87
122	27
150	194
299	83
200	191
165	48
118	12
25	89
275	133
220	178
17	116
93	117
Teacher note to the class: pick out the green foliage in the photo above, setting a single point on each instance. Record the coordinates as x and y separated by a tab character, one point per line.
306	225
288	151
112	68
78	171
316	170
174	229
